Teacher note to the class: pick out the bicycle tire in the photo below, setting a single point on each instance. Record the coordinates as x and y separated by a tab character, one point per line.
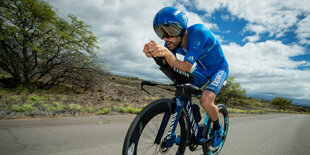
131	142
224	119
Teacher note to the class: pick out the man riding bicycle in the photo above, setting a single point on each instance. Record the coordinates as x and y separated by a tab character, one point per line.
199	45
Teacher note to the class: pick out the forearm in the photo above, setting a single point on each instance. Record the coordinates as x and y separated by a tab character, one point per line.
174	62
153	49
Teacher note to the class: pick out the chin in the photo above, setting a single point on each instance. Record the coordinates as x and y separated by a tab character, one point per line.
172	48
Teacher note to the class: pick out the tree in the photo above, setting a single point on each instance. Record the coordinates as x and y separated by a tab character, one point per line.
231	93
38	45
281	102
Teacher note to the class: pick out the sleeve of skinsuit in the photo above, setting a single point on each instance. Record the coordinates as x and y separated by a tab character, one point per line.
196	41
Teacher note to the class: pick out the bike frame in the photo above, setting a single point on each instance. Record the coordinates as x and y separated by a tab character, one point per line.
180	108
183	101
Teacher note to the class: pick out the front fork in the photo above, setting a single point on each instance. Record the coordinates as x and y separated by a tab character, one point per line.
199	130
170	139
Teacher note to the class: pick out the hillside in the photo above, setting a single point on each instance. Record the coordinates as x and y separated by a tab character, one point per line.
114	95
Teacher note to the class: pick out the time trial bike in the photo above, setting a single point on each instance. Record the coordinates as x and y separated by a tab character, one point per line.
149	133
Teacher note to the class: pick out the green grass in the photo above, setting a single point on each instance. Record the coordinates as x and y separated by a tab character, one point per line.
34	97
14	98
3	106
2	92
247	103
22	108
121	109
88	109
232	110
5	76
257	112
24	98
57	106
241	111
104	111
73	106
127	109
46	96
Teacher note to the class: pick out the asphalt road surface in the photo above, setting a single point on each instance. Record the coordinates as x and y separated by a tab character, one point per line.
271	134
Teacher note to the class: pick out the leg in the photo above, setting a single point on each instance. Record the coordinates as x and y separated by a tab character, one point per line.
210	91
207	102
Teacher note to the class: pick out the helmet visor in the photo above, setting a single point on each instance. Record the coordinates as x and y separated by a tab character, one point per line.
167	30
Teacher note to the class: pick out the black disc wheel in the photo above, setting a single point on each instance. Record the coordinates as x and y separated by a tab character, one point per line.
141	135
224	120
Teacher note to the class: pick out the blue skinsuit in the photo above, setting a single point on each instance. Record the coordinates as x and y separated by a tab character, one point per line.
203	48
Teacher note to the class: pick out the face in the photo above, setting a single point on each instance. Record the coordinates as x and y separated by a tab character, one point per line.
172	42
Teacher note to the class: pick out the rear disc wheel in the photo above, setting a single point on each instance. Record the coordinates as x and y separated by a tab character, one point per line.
224	120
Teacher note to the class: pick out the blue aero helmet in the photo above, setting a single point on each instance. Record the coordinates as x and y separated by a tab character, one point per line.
170	22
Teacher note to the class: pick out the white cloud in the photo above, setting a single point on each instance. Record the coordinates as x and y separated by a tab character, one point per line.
210	6
303	30
253	38
273	16
227	17
123	27
256	28
195	19
266	68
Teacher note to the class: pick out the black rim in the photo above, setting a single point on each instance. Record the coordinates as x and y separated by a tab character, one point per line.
145	118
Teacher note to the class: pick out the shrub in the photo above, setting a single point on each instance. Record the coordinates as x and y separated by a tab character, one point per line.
282	103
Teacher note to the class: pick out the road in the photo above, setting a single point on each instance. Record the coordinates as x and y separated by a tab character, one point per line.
274	134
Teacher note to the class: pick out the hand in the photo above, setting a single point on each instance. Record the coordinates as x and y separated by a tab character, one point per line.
156	50
146	51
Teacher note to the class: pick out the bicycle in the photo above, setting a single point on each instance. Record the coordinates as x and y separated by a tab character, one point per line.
184	130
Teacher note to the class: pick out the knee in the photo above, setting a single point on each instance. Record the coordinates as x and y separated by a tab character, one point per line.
207	99
206	102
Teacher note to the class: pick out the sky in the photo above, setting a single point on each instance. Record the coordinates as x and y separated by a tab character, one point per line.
266	43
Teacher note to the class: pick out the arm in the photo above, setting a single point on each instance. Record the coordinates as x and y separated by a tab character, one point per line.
156	50
174	62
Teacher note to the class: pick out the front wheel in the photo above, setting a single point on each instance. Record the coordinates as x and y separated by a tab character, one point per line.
141	135
224	120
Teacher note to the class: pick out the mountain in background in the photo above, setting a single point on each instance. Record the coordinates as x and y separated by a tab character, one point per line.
296	102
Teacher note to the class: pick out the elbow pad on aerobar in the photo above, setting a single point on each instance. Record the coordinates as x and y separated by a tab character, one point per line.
174	74
161	62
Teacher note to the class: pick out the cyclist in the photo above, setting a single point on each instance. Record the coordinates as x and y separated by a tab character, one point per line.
198	45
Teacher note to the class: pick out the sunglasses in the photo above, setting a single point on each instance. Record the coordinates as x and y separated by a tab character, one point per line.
167	30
